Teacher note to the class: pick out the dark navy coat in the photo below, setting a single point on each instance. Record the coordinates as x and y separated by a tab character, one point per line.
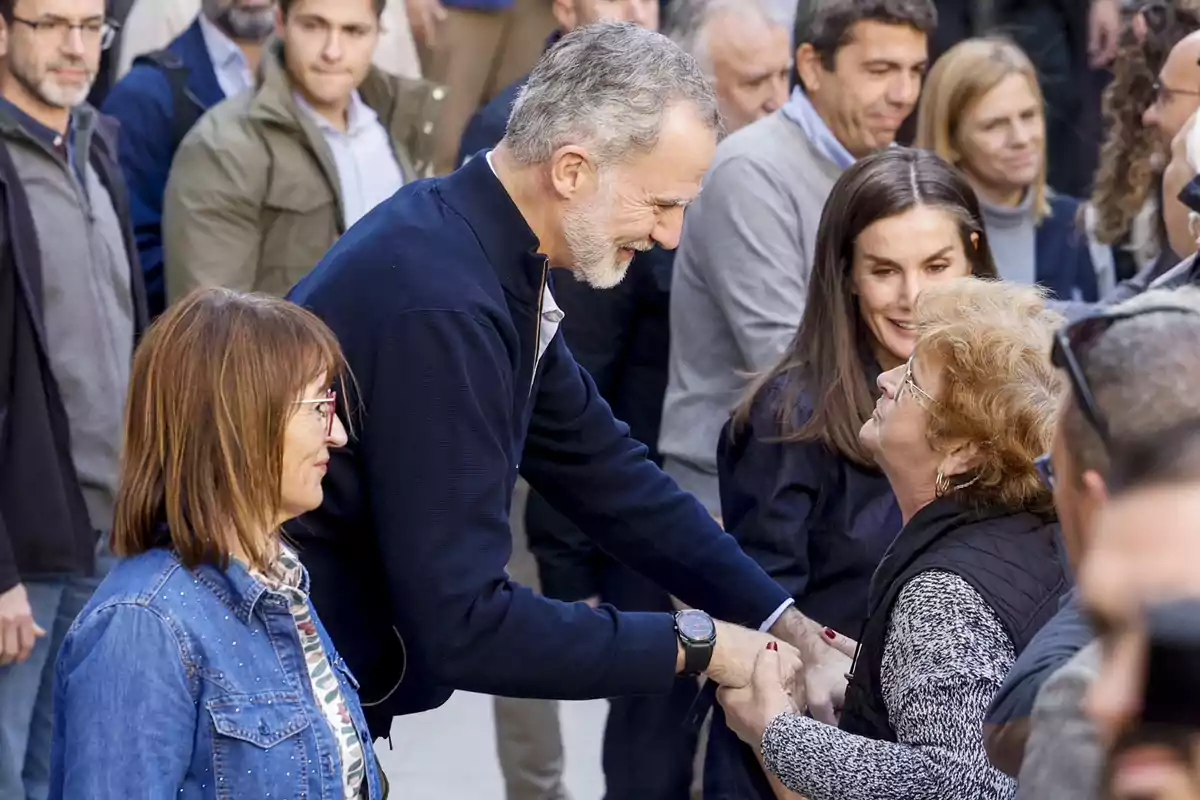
621	336
435	296
1064	264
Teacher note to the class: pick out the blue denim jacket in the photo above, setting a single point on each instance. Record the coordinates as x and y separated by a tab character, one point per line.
192	685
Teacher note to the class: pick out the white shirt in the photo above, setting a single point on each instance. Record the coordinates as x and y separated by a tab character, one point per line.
229	61
368	172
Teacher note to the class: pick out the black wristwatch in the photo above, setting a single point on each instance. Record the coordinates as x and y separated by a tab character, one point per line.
698	635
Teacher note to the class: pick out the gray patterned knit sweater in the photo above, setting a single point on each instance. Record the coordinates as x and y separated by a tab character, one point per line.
945	657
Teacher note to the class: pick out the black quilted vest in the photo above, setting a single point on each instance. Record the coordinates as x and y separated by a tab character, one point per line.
1012	559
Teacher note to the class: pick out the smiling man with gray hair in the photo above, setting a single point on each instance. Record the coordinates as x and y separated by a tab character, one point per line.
443	300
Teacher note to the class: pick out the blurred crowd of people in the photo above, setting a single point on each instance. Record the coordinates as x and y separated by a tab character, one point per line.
844	348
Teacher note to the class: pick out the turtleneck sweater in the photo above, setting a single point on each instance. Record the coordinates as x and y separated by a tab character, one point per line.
1012	234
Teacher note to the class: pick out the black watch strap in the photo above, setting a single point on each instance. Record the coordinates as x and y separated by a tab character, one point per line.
697	644
696	656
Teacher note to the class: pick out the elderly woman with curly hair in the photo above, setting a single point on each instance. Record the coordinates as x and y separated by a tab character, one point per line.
973	574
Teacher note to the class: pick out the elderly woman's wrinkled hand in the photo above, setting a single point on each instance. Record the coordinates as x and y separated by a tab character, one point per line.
777	687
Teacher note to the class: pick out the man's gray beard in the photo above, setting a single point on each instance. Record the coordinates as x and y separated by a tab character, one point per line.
594	259
50	94
247	26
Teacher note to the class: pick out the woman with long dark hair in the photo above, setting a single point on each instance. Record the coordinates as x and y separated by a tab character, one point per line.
799	491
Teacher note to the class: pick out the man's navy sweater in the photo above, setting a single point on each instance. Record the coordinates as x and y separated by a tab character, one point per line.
435	297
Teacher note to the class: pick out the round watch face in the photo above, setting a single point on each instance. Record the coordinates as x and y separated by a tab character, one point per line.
695	625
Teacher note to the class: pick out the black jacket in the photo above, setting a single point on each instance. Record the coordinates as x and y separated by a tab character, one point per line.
44	527
814	520
1012	559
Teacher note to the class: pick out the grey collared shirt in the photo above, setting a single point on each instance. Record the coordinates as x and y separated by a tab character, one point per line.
367	169
229	62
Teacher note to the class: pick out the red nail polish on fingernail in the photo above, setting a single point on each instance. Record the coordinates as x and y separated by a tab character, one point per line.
772	646
830	633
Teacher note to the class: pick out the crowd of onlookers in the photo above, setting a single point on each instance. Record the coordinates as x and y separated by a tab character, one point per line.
907	387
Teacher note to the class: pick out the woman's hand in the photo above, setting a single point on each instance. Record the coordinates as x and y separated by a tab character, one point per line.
775	688
827	678
843	644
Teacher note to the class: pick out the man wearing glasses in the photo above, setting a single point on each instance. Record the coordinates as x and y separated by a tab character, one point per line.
1131	372
71	306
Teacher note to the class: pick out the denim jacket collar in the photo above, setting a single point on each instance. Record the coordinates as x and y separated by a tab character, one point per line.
238	589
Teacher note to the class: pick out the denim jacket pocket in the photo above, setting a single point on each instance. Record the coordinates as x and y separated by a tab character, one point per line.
259	749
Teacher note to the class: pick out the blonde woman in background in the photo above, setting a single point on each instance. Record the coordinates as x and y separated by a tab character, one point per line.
982	110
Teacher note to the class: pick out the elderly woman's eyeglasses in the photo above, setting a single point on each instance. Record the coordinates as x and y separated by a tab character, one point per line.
910	383
326	407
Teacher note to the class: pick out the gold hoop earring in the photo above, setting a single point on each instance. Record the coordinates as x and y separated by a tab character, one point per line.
941	485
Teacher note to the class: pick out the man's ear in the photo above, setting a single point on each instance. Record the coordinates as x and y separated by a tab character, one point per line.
3	38
809	68
571	171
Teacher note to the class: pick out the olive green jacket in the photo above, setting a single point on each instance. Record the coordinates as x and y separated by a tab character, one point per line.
253	200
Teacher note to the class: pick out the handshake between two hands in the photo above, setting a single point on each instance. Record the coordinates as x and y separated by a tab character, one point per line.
762	677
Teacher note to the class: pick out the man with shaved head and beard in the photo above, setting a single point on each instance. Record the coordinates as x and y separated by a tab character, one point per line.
72	304
165	93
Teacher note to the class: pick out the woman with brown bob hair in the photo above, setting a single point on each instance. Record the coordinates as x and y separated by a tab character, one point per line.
973	575
799	491
199	668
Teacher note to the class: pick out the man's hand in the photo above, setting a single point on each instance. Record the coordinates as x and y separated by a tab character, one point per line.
735	652
1104	31
18	631
825	667
773	690
425	17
